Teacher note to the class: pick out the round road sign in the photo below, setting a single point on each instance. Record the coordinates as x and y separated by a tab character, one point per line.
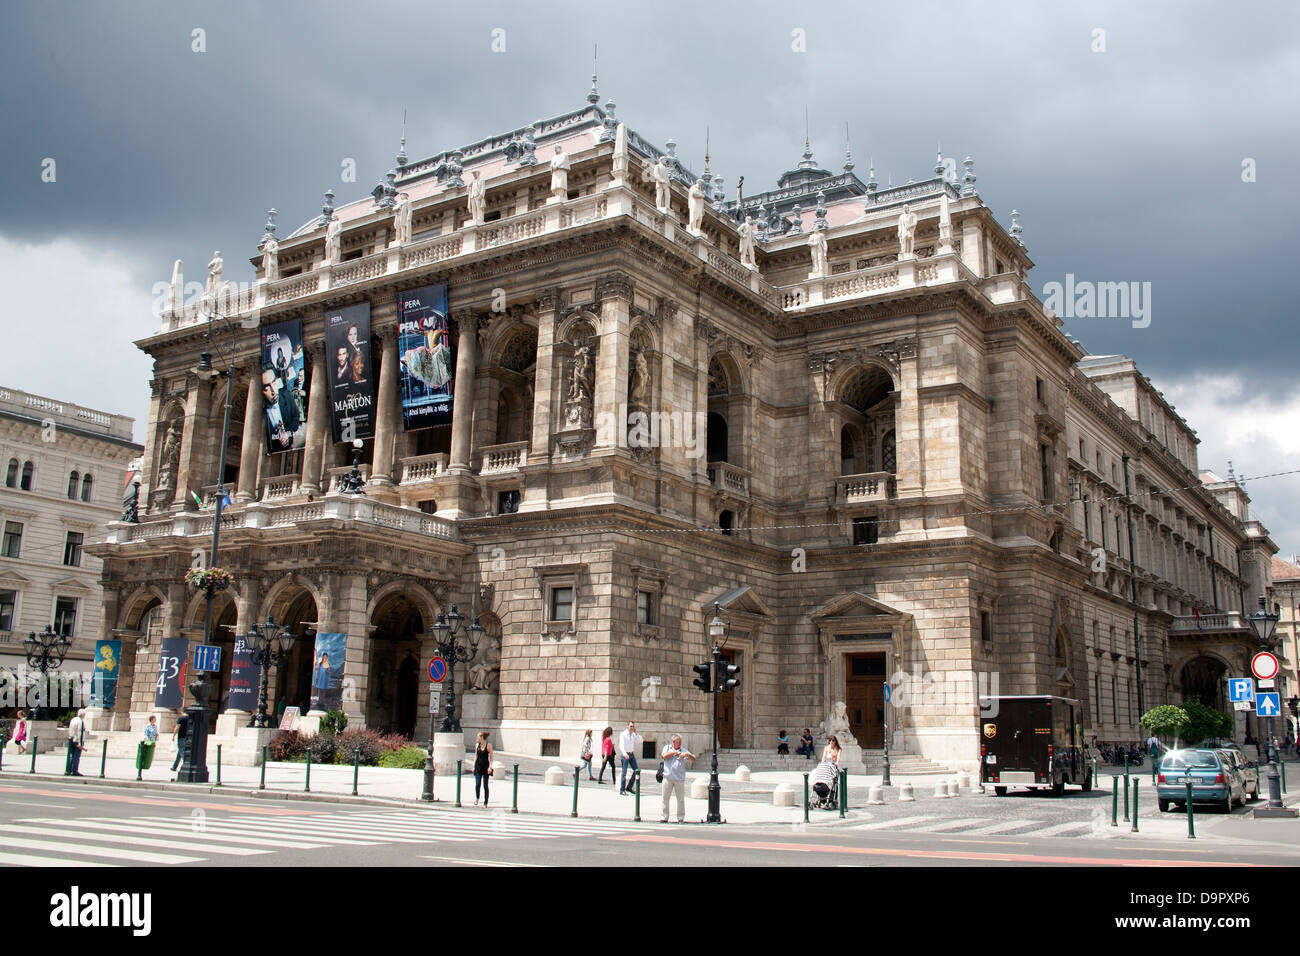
437	670
1264	665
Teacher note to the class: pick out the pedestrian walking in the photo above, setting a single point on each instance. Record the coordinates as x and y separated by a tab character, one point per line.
831	754
675	757
76	743
1153	746
585	754
629	742
482	766
19	736
180	737
606	755
144	760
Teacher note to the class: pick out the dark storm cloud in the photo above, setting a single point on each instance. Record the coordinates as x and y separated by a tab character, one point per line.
1124	164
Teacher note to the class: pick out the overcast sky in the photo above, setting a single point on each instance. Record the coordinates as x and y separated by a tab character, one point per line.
1118	130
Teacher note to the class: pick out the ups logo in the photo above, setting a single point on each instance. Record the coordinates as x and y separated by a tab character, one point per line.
990	730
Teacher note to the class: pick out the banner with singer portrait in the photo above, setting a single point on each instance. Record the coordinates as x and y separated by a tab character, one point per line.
284	393
351	375
428	360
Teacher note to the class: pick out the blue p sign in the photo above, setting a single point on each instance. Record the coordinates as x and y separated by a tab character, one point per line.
1241	688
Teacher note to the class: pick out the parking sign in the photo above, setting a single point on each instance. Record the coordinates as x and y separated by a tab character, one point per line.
1240	688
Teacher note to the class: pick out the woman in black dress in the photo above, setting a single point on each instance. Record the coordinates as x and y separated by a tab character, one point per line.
482	766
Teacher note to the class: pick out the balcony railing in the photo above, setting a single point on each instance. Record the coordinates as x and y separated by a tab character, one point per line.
727	477
508	457
276	489
335	475
1231	621
866	488
423	468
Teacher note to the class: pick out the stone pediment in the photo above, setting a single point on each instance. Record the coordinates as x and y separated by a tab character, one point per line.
855	606
70	584
740	601
13	579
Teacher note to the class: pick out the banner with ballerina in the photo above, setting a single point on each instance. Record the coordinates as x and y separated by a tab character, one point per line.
347	354
327	672
428	363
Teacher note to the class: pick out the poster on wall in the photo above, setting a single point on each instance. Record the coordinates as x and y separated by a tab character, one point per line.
103	684
284	395
327	672
173	659
352	382
245	678
428	361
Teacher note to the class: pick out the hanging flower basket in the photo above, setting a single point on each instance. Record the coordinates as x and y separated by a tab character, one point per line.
218	579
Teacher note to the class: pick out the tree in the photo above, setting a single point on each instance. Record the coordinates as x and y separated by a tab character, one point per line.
1206	722
1167	720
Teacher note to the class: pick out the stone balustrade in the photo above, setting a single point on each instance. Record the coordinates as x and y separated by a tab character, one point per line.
422	468
865	488
275	489
727	477
507	457
1230	621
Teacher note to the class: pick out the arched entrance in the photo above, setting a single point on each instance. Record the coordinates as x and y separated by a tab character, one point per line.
295	609
393	699
1205	679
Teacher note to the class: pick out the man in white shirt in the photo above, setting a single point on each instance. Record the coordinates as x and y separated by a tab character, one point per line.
675	758
76	743
629	742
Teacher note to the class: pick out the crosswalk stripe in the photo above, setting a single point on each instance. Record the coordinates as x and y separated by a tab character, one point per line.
304	839
954	823
561	824
1006	826
399	830
453	859
77	832
172	827
119	854
1073	828
896	822
28	859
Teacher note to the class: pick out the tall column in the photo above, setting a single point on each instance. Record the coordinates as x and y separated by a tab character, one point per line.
462	415
548	303
189	473
386	419
614	291
318	411
254	440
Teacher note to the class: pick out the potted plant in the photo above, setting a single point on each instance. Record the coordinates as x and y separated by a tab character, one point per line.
215	579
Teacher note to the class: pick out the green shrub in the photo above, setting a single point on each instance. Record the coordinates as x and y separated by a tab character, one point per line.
333	722
406	758
1205	723
369	742
287	745
322	747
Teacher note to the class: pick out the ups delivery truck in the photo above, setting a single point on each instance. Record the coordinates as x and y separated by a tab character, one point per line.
1033	742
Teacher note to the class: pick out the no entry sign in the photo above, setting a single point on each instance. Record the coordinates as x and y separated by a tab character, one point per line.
1264	665
437	670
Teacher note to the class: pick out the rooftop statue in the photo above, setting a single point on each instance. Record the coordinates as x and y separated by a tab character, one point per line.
695	206
661	174
333	241
402	219
560	175
747	244
176	294
477	199
817	243
215	267
907	233
270	259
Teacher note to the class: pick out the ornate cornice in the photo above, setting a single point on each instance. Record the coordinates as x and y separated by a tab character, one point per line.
614	285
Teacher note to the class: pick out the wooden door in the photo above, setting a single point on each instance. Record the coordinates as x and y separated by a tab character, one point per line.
864	698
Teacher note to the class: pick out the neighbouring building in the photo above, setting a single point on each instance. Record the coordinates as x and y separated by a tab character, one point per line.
64	471
834	411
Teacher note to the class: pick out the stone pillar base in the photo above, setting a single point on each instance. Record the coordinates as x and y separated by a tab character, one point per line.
447	749
478	712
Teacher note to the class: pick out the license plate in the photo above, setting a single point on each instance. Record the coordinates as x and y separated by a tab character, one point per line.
991	758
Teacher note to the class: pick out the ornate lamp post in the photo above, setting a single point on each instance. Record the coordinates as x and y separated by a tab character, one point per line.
718	631
446	630
45	653
1263	623
268	645
352	483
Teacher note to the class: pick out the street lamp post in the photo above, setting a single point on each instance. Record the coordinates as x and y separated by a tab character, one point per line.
1263	623
268	646
352	483
45	653
448	627
718	631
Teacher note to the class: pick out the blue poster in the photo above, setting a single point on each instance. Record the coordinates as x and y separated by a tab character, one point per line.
327	672
103	684
173	659
284	395
428	361
245	678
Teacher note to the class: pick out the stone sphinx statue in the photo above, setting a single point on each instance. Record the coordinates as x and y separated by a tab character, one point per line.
838	724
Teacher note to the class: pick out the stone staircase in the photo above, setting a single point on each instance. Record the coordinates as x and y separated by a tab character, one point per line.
759	761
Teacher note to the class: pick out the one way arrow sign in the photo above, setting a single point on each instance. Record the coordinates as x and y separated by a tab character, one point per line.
1268	704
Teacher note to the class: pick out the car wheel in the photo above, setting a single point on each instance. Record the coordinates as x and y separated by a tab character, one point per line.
1058	787
1087	782
1164	806
1000	791
1226	805
1254	794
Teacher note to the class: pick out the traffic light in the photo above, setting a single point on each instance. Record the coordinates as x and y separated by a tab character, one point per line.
727	679
703	681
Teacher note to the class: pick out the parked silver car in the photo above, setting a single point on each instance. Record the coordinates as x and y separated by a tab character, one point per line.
1214	774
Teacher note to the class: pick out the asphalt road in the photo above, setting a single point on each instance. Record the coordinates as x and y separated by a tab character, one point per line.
73	824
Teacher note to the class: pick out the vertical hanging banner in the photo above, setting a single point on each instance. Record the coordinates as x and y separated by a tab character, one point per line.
327	672
352	382
245	678
173	659
428	361
103	685
284	395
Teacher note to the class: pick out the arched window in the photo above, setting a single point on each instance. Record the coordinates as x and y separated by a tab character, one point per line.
11	477
74	482
725	522
26	484
848	452
87	487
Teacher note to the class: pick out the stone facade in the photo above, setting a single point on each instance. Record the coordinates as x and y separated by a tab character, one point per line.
869	473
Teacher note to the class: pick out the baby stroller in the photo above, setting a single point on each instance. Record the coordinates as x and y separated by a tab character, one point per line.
825	781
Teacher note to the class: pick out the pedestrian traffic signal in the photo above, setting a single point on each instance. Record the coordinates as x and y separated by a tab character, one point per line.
727	679
703	682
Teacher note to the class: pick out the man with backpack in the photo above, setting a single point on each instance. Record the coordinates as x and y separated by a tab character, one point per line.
180	737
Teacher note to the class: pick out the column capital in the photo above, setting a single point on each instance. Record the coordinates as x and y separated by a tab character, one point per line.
548	300
614	285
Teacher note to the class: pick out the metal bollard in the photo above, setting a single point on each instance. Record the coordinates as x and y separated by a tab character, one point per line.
356	769
36	744
139	761
844	791
575	793
459	771
218	765
1126	798
1134	828
1114	801
1191	817
1281	765
514	800
307	787
805	798
262	783
103	762
636	812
